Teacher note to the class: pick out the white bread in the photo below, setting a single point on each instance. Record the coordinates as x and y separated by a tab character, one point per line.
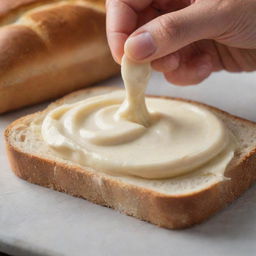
172	203
49	48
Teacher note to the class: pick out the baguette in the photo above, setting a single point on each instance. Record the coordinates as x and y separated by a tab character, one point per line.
171	203
49	48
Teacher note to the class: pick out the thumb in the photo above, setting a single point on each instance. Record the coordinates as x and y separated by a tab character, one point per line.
171	32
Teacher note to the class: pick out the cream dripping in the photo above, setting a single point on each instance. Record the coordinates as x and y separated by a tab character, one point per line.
124	133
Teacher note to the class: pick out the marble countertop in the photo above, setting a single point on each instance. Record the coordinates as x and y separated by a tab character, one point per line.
38	221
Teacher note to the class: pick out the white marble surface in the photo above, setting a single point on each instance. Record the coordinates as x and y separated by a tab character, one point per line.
39	221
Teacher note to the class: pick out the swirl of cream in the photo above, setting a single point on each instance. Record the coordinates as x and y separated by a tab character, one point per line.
180	138
126	134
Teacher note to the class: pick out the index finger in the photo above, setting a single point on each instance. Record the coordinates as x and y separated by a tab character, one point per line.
122	19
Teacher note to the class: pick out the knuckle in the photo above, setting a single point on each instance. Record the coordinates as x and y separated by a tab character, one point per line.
168	27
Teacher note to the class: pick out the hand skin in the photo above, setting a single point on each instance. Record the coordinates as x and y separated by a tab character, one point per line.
186	40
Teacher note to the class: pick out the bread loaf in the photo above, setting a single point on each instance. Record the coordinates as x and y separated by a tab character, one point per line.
49	48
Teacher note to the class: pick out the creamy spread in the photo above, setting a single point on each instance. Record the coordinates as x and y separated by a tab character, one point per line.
124	133
135	77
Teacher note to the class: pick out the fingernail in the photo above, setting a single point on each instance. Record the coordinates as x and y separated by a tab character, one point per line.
205	68
172	62
140	46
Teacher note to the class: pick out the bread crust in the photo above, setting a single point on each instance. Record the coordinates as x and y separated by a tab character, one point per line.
50	48
169	211
8	6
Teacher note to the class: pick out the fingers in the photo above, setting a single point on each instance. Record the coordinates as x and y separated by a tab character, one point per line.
170	32
122	20
188	66
168	63
194	63
191	72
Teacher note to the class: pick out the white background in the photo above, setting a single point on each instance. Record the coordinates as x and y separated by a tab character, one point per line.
38	221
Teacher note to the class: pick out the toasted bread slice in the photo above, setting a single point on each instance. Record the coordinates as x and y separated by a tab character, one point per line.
172	203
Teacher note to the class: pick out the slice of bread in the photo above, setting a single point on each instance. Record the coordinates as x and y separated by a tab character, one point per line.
172	203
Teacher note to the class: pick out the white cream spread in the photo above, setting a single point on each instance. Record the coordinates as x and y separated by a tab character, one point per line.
135	77
124	134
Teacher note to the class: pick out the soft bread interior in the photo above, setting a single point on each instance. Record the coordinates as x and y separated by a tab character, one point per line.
26	137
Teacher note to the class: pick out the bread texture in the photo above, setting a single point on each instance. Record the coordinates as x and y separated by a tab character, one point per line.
171	203
49	48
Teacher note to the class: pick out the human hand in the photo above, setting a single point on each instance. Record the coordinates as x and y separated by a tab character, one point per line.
187	40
